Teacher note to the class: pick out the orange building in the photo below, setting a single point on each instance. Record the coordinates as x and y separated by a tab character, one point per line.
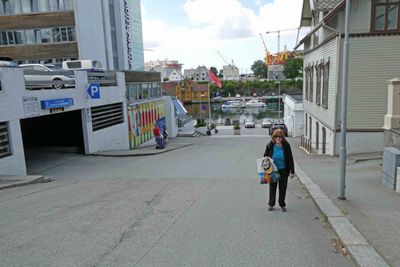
187	91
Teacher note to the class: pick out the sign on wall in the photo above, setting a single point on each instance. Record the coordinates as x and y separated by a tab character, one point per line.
128	39
94	90
57	103
31	106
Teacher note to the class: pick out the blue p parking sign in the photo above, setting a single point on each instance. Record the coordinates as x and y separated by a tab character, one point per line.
94	90
203	107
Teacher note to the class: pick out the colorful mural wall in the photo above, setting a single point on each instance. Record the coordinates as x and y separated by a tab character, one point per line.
141	121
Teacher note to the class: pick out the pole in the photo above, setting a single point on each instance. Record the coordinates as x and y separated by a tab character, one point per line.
343	152
209	104
279	100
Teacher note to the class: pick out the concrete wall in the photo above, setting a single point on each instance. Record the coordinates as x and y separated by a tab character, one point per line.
10	112
170	117
13	108
90	31
358	142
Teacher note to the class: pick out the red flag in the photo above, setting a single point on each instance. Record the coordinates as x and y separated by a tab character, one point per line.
215	80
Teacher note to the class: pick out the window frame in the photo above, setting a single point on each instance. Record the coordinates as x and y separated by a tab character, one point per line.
318	73
387	4
325	85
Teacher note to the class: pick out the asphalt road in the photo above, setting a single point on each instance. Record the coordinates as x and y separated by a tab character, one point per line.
196	206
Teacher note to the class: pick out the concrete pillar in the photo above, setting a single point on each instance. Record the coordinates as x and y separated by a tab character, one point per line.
392	118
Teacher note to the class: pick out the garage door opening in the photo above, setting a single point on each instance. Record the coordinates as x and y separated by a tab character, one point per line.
52	137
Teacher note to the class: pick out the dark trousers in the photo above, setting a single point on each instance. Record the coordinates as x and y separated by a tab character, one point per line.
282	183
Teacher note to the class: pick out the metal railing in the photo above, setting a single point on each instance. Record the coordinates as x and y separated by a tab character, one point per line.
38	80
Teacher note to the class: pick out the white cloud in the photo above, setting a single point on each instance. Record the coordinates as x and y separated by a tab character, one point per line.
224	25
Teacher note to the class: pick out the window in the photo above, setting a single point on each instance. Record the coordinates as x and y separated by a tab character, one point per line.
3	38
385	15
306	83
64	37
318	71
11	39
19	37
311	85
33	37
43	5
325	85
71	34
10	7
46	35
68	5
53	5
56	35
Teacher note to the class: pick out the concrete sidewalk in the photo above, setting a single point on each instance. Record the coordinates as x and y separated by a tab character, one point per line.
146	150
8	181
368	221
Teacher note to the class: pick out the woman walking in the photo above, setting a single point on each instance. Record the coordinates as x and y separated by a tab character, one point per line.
279	150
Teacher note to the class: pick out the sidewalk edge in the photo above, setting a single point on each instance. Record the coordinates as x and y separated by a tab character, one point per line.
160	151
40	179
362	253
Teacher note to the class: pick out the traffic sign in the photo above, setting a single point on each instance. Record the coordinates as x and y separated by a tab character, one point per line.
94	90
203	107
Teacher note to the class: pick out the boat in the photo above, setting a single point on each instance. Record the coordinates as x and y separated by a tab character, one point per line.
233	104
255	103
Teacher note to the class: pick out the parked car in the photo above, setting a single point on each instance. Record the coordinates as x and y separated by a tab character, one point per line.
249	124
235	122
266	123
278	126
83	64
8	62
59	75
227	122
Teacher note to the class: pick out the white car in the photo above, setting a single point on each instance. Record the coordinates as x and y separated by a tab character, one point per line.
36	79
266	123
249	124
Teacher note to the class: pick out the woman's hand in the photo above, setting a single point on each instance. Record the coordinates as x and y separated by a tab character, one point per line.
291	175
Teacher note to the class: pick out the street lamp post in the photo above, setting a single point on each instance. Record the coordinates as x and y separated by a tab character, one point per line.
343	153
279	96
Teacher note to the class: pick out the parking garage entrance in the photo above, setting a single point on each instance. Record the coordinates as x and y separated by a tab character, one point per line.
51	138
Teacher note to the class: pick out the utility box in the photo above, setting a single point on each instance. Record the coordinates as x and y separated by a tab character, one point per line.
391	162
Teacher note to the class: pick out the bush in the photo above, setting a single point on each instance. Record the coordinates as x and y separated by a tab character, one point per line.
236	127
200	123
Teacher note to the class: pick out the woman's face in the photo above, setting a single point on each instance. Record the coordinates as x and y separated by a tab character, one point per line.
278	139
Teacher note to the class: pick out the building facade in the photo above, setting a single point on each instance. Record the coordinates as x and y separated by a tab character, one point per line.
230	72
51	31
200	74
373	60
293	115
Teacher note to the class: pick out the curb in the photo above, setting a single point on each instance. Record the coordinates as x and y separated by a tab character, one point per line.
35	180
362	253
161	151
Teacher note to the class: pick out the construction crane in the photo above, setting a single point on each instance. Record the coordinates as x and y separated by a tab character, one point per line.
266	50
224	58
279	36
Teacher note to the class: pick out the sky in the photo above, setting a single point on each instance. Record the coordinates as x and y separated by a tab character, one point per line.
218	32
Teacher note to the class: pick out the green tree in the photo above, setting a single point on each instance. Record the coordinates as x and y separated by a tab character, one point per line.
292	67
214	69
260	69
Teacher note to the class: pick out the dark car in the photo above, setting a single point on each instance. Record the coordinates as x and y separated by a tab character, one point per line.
227	122
8	62
278	126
